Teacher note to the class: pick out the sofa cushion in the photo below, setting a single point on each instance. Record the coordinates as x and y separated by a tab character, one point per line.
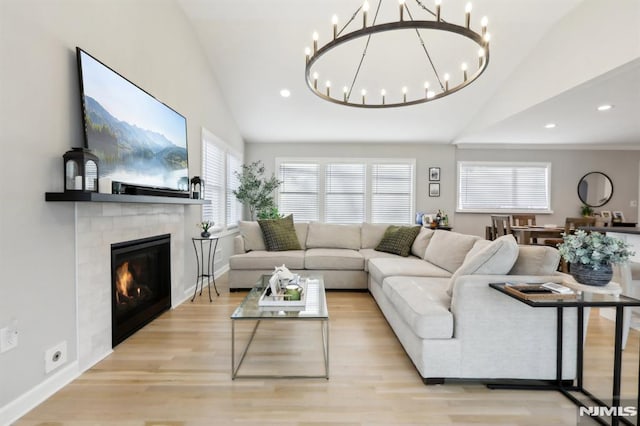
336	259
372	254
252	235
495	258
329	235
279	234
448	249
371	234
536	260
421	242
260	259
381	268
635	270
398	239
423	303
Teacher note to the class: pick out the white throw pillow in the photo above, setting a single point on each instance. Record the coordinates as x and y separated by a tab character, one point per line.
495	258
420	244
252	235
536	260
448	249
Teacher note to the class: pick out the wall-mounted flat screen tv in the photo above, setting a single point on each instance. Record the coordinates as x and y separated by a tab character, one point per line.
140	142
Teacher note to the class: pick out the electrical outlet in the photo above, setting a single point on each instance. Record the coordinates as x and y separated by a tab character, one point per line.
9	337
55	356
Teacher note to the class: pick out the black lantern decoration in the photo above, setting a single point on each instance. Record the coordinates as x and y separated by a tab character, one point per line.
80	170
197	187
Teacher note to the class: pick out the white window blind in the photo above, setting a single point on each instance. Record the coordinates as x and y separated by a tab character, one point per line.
234	207
504	187
392	193
344	193
299	190
213	158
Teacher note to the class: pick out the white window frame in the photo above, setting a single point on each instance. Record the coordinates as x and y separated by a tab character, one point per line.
227	196
323	161
509	164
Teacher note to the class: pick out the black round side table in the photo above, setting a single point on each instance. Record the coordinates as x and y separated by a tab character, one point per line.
209	245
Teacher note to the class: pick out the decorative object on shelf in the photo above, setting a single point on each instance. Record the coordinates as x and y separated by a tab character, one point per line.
80	170
590	256
434	190
205	225
434	174
618	216
586	210
254	189
197	187
408	19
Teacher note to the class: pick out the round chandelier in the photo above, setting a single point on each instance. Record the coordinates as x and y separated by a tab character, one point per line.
421	30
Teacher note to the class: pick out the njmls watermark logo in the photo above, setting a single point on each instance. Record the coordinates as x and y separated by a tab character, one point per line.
603	411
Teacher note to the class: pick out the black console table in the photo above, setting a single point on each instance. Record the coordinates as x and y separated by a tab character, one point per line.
582	300
210	243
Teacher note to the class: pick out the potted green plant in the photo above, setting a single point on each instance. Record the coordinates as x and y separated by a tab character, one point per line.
591	254
205	225
256	190
586	210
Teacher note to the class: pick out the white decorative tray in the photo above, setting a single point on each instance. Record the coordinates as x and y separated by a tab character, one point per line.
269	299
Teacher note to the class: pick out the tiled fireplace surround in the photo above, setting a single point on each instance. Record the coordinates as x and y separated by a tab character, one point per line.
98	225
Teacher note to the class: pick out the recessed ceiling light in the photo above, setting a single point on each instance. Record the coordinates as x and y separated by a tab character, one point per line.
605	107
285	93
550	125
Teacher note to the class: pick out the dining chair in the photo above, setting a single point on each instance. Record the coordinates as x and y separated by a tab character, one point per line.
628	276
524	219
500	225
570	225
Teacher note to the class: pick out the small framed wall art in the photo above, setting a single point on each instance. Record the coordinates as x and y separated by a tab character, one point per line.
618	216
434	174
434	190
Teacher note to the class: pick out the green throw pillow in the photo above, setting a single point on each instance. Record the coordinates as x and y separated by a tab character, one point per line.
398	239
279	234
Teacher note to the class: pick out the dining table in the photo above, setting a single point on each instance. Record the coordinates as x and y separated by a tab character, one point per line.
526	234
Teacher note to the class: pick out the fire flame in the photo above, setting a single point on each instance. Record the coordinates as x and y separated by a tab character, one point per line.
124	279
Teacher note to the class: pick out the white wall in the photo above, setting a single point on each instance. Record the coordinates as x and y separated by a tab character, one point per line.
568	166
148	41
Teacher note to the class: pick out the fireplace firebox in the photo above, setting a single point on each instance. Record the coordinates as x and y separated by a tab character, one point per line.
140	284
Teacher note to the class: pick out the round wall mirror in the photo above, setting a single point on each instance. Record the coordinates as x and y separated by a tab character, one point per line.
595	189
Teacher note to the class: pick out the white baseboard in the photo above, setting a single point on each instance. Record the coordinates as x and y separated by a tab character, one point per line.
32	398
188	293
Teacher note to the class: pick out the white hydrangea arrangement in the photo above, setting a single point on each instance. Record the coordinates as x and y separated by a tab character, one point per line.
593	249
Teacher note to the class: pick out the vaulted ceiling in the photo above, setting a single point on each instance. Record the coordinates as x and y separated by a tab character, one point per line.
552	61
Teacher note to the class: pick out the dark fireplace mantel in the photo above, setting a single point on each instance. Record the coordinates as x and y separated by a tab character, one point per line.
118	198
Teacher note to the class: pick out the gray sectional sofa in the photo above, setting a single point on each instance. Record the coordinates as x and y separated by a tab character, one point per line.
438	300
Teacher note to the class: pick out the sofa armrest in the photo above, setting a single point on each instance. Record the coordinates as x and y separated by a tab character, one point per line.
238	245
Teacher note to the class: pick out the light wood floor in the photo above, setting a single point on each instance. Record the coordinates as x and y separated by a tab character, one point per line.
176	371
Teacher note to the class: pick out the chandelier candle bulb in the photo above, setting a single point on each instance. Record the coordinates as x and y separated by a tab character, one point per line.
307	53
315	80
401	3
463	67
480	57
484	22
328	86
446	82
364	94
315	42
365	9
345	90
383	93
334	21
438	2
467	14
487	39
426	89
404	94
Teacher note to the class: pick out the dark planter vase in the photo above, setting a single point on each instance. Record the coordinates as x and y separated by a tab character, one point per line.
205	234
584	274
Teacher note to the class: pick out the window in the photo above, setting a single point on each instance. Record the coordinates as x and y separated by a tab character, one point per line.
299	191
391	193
218	164
504	187
334	191
344	193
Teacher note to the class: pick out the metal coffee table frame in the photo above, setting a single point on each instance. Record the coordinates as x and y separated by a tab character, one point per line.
249	310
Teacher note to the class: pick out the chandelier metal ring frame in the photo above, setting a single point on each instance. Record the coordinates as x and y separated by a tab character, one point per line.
482	40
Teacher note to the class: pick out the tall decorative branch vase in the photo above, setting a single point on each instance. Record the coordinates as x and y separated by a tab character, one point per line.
584	274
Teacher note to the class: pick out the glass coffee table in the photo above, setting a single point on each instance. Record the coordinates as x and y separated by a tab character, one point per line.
315	309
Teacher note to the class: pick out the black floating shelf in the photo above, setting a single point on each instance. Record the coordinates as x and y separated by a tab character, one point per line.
119	198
